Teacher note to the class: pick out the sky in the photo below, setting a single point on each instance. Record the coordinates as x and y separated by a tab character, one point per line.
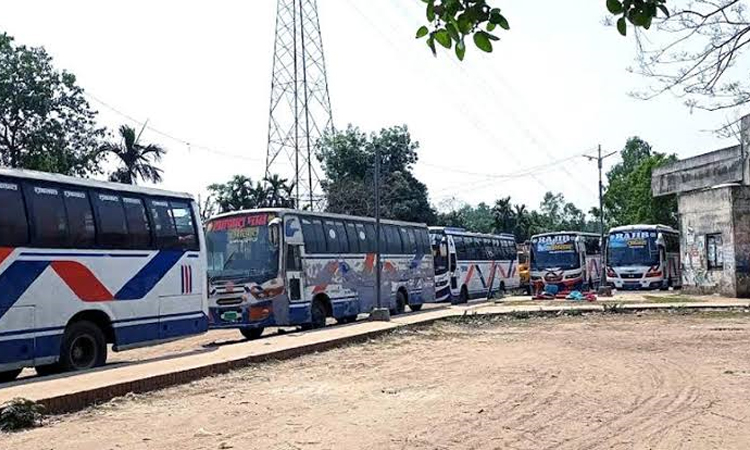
199	72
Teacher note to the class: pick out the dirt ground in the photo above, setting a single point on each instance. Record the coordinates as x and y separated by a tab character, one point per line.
653	381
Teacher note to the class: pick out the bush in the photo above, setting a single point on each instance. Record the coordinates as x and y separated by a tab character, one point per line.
19	414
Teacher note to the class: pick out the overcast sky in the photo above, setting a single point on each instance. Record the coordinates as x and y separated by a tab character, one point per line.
555	87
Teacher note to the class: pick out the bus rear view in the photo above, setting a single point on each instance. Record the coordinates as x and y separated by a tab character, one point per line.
643	257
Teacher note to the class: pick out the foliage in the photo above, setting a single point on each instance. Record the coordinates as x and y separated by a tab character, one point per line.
348	161
450	22
136	160
20	414
628	199
45	121
240	193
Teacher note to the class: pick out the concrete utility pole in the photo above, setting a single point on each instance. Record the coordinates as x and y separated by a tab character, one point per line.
599	159
379	313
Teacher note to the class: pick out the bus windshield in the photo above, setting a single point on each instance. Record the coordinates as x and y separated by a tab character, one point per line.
240	248
554	252
633	248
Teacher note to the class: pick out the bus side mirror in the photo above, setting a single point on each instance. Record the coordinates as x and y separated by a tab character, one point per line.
274	231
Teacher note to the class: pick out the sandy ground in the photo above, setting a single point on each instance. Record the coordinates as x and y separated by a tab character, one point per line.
622	382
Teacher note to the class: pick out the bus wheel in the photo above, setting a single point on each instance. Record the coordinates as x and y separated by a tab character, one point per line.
10	375
464	296
83	347
415	307
252	333
400	303
318	314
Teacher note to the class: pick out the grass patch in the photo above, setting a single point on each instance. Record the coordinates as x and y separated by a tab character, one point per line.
20	414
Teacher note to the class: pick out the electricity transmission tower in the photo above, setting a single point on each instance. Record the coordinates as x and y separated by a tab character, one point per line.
300	103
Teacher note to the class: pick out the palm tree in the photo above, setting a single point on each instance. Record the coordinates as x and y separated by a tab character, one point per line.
137	160
279	192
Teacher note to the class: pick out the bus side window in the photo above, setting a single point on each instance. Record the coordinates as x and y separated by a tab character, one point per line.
111	227
351	234
460	247
343	239
164	228
362	239
394	240
139	229
80	219
47	211
310	235
371	238
424	241
187	239
332	238
14	228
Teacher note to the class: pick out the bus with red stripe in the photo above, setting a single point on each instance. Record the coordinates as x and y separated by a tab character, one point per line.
567	260
473	265
86	264
643	257
282	267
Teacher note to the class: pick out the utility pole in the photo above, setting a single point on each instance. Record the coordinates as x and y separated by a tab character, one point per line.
599	160
379	314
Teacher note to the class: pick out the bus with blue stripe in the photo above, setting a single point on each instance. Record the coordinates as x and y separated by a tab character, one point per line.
85	264
473	265
282	267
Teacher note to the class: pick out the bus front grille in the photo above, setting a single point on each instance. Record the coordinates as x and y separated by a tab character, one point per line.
229	301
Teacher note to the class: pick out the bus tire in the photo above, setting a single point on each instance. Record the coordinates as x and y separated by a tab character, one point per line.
83	347
10	375
415	308
400	303
318	315
464	296
252	334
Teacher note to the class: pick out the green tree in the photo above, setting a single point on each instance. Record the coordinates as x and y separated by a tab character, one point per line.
279	192
628	199
45	121
136	161
241	193
348	161
451	22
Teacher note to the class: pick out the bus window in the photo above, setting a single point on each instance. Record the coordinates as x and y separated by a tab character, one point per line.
80	219
311	236
48	216
139	229
395	246
410	241
332	237
343	240
371	240
113	231
461	252
424	241
183	220
14	230
164	227
351	234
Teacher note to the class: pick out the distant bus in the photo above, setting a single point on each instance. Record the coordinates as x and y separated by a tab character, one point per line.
280	267
570	260
472	265
86	263
643	257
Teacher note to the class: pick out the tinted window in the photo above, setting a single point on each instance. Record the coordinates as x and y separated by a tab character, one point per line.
332	237
164	229
394	240
111	226
139	230
48	212
14	230
351	233
410	243
383	242
183	220
460	247
80	219
320	235
312	237
341	234
370	234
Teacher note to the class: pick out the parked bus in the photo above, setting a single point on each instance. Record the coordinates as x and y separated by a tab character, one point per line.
279	267
86	263
643	257
472	265
569	260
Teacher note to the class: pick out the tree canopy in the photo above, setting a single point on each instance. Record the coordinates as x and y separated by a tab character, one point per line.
348	161
628	198
137	161
45	122
240	193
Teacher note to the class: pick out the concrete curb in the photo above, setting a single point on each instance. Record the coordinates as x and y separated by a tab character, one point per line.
71	394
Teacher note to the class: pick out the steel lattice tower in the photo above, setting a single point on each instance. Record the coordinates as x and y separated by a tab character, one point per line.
300	103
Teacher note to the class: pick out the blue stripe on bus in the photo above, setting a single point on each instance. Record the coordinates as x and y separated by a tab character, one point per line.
35	330
145	280
165	316
15	280
85	255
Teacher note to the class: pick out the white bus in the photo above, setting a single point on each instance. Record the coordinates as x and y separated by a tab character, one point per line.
569	260
643	257
86	263
472	265
281	267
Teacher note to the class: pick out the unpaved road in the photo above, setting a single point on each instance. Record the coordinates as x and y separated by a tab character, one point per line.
620	382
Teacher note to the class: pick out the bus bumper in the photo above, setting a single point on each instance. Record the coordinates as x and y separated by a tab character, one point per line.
258	315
